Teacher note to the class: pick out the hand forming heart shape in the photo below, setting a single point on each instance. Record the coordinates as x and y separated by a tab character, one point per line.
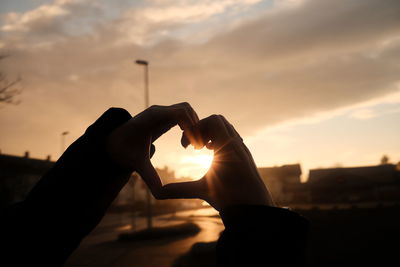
233	177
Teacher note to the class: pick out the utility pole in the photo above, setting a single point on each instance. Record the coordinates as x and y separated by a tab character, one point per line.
145	64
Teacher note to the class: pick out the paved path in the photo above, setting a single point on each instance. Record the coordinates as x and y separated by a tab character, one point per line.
101	249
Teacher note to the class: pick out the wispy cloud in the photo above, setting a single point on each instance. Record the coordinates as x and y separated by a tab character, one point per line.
365	114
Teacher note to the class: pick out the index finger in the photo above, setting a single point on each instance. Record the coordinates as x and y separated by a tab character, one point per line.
226	142
213	129
160	119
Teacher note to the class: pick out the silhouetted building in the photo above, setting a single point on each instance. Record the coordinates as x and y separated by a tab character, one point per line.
354	185
283	182
369	184
18	175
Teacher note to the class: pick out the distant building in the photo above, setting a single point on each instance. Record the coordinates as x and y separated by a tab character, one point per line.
18	175
283	182
353	185
369	184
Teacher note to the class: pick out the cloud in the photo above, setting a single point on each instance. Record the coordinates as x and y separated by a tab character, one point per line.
163	19
49	22
361	110
291	61
364	114
188	11
41	16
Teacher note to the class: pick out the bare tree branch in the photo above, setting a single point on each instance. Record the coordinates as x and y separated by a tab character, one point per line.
8	89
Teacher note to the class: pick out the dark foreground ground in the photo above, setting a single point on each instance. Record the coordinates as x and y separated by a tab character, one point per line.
350	237
354	237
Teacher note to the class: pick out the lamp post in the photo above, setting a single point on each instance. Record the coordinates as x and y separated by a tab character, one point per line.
63	134
145	64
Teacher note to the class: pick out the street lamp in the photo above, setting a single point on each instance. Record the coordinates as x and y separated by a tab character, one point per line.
145	64
63	134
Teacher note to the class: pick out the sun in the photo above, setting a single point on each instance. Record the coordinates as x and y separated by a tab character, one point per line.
196	164
203	161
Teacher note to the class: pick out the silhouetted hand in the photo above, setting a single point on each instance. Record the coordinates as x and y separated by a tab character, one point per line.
130	145
232	179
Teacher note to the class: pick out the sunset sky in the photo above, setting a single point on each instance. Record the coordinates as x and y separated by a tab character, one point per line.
315	82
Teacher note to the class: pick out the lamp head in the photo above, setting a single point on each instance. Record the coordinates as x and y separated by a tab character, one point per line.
142	62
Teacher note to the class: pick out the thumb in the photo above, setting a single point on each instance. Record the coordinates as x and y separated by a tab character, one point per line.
195	189
150	177
152	150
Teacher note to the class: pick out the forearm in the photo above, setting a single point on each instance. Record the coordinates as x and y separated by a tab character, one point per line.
70	200
262	236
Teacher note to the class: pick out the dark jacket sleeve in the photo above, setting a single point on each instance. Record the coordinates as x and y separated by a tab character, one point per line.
261	236
68	202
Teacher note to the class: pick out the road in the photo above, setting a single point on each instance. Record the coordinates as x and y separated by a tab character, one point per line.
102	249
